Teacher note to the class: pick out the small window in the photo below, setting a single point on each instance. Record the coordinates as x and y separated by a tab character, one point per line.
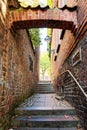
58	48
76	57
62	34
30	63
55	58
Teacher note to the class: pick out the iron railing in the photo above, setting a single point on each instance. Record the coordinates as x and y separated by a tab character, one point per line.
80	87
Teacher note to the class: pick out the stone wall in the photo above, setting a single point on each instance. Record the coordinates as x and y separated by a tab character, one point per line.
18	70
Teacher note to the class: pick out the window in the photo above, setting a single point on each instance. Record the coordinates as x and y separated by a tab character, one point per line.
76	58
58	48
30	63
62	34
55	58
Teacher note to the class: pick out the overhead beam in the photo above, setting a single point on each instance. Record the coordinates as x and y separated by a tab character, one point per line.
50	18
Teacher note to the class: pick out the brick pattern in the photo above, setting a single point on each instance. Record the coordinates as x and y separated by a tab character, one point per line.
65	46
82	12
44	18
73	94
70	39
69	44
16	80
81	23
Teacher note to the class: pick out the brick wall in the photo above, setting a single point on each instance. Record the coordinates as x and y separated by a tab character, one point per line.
80	69
82	12
65	45
70	43
17	76
43	18
71	39
80	72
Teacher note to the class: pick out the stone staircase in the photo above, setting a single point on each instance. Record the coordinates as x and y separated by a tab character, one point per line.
42	111
45	87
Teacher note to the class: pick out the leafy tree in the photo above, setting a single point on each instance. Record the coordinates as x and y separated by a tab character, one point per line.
44	63
35	37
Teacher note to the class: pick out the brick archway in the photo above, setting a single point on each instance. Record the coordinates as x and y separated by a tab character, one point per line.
50	18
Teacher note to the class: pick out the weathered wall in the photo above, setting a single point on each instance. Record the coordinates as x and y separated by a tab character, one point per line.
79	70
18	68
65	45
18	71
69	40
82	12
69	45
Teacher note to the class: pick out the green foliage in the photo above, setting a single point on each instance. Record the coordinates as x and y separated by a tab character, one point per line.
44	63
49	2
49	33
35	37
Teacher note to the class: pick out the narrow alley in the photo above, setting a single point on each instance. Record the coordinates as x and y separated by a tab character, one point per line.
43	92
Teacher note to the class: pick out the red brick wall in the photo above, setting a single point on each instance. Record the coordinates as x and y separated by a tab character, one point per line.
16	80
80	69
65	45
43	18
82	11
71	39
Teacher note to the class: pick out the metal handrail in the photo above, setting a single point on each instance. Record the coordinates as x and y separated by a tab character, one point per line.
76	82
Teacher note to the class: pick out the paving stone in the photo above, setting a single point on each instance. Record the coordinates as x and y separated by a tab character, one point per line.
43	111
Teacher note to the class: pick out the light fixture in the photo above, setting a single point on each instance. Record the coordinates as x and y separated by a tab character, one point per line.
51	50
47	39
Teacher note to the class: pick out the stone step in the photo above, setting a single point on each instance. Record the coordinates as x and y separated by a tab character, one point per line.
44	88
45	121
44	111
45	92
45	85
39	89
47	88
28	128
44	82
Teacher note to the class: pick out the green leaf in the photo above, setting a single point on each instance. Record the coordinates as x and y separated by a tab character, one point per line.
35	37
44	63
